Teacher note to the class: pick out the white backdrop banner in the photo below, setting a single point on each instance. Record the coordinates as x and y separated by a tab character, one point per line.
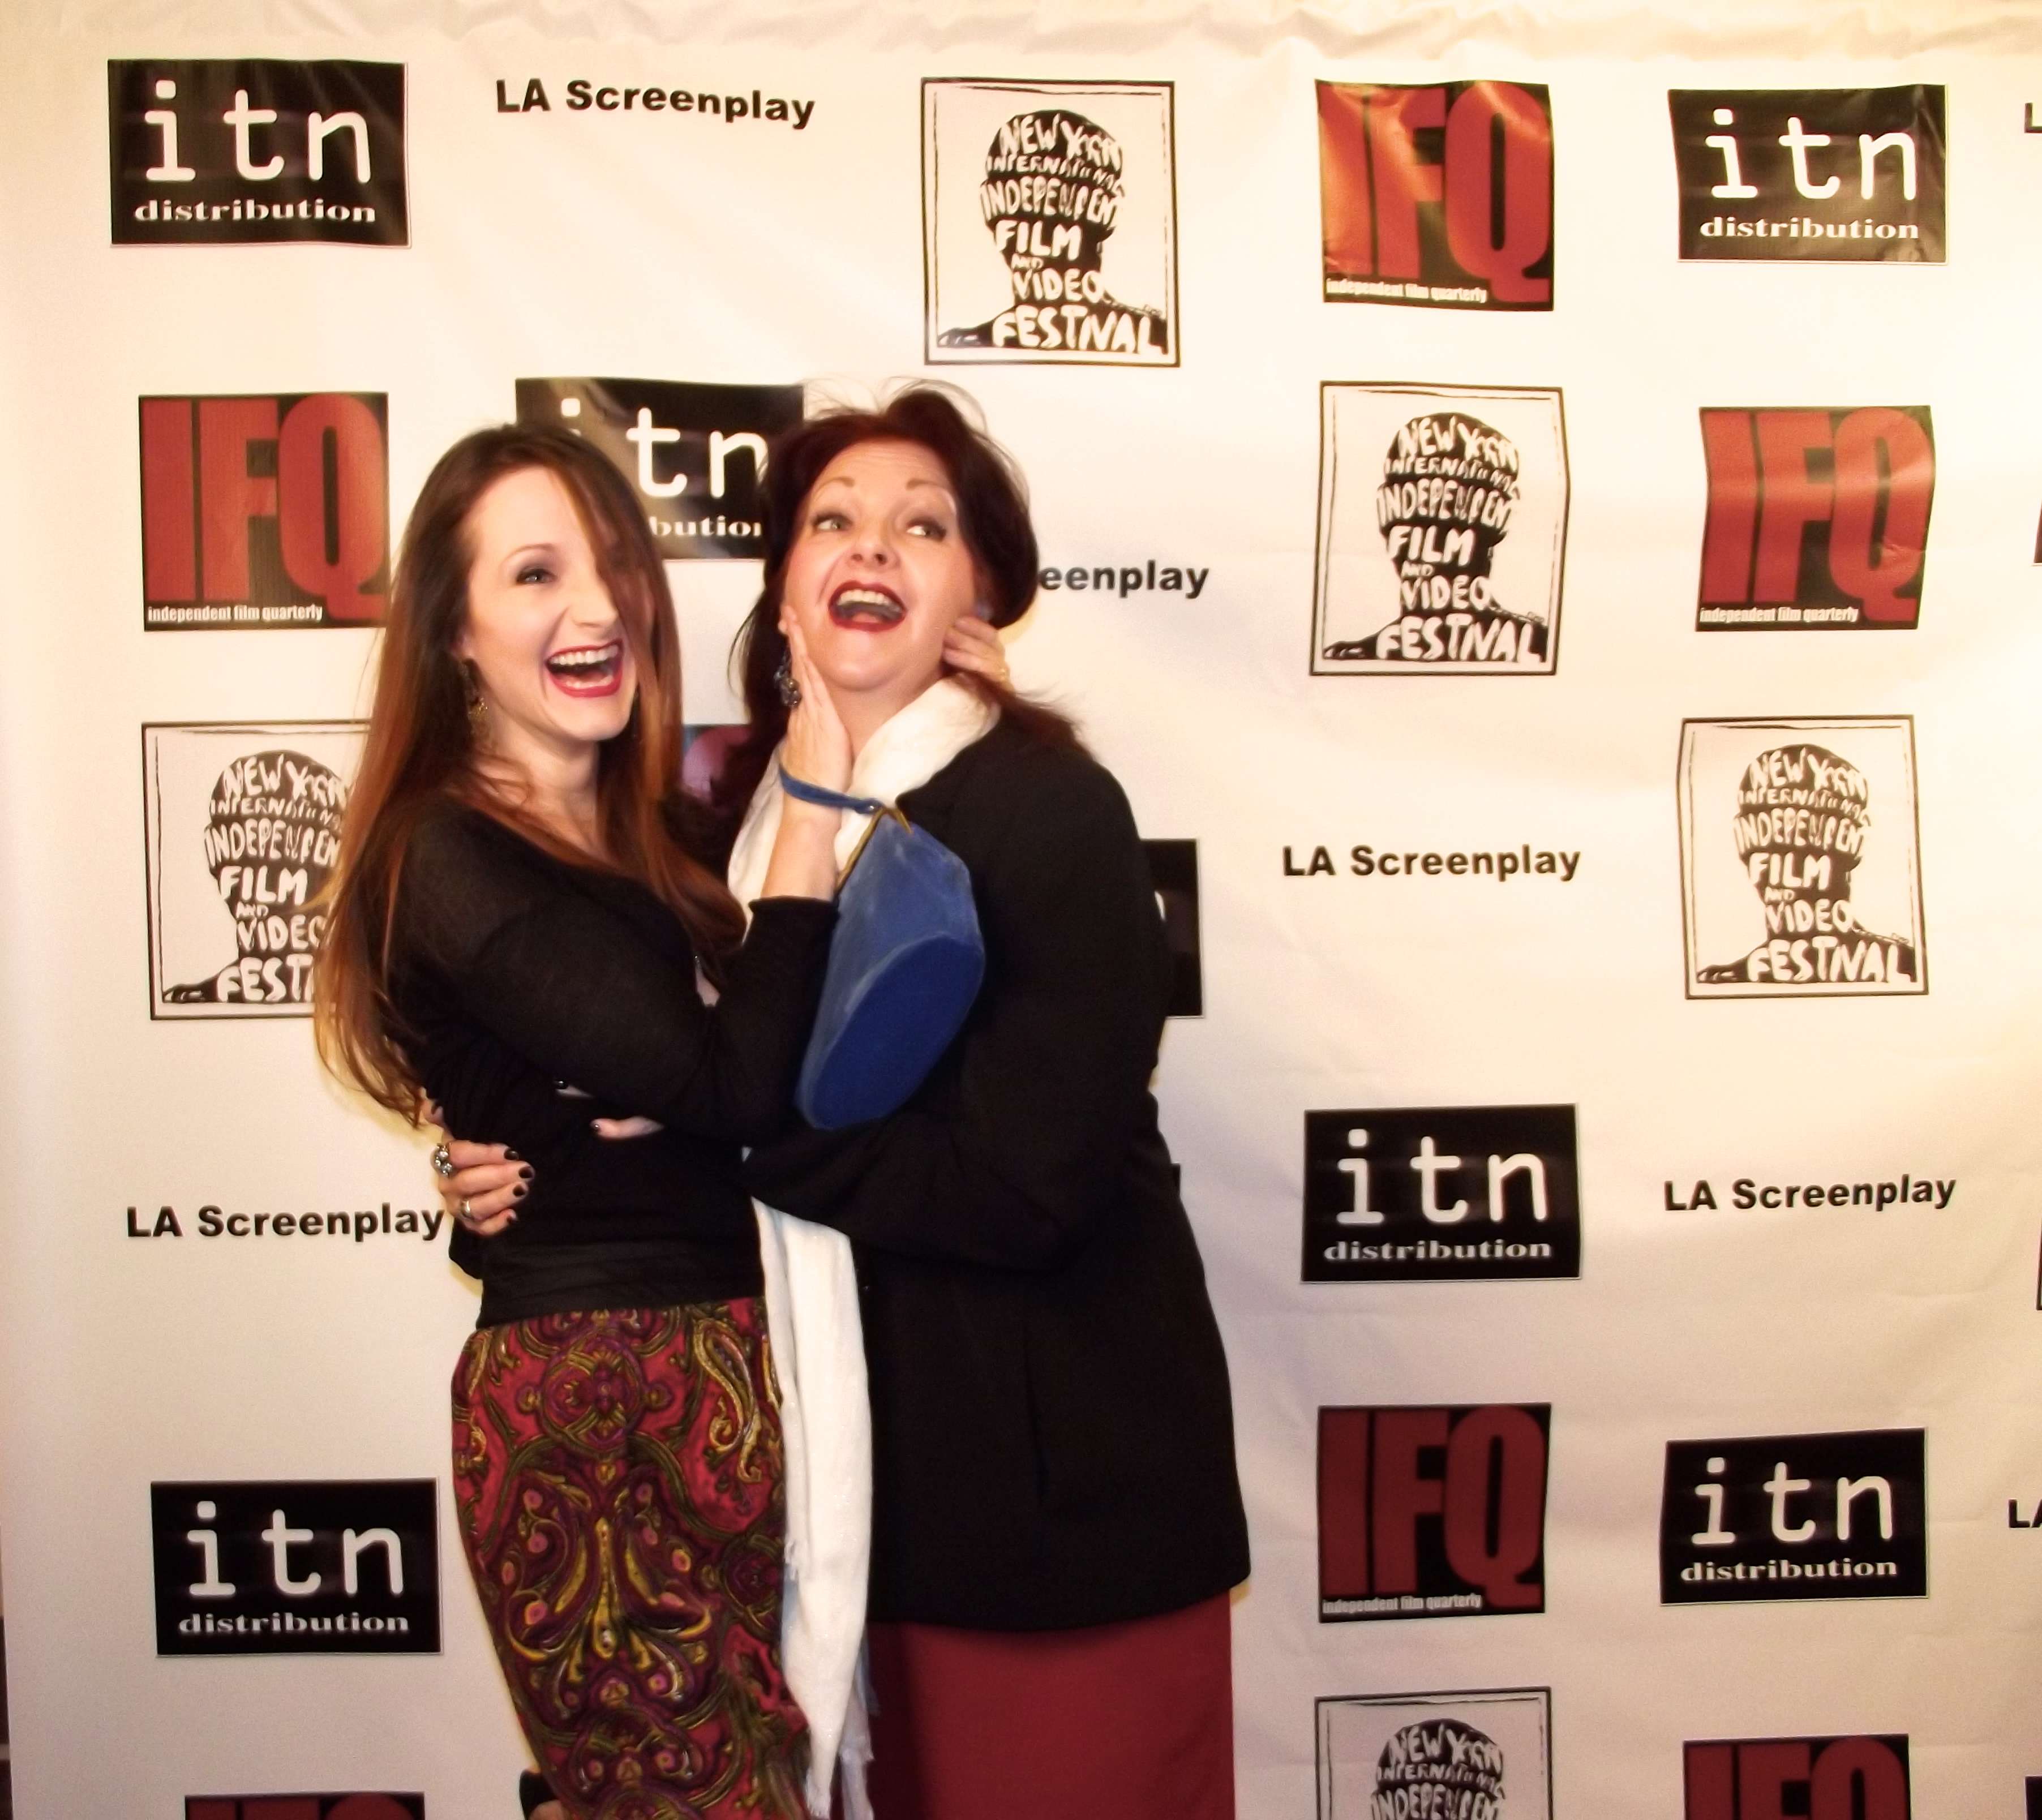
1603	1090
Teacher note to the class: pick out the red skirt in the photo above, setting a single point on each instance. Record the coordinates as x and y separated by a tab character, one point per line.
618	1476
1113	1721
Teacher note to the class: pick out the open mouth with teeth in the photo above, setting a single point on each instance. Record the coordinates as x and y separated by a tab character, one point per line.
588	669
867	609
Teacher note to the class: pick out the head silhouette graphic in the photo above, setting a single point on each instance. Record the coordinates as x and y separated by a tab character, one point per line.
1050	200
1439	1766
271	838
1450	484
1802	818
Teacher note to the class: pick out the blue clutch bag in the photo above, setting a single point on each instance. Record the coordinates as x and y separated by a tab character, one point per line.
905	962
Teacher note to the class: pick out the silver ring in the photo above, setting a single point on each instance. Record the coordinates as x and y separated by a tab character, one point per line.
442	1161
465	1211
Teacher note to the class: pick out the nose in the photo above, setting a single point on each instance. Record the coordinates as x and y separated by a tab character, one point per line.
872	545
591	609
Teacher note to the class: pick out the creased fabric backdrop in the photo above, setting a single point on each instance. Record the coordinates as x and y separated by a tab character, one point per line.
1627	779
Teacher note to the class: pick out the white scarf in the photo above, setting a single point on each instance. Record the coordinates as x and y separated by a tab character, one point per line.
811	1318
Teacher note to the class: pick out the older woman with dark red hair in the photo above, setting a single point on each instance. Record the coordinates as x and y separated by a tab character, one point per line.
1057	1521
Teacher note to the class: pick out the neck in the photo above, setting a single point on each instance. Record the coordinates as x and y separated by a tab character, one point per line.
864	714
555	787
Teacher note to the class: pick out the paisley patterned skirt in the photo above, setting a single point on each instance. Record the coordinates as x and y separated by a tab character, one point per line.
618	1476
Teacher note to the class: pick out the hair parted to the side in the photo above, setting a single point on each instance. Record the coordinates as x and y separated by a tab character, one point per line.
992	514
420	745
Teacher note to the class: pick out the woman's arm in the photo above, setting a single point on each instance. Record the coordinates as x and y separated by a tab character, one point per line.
1012	1153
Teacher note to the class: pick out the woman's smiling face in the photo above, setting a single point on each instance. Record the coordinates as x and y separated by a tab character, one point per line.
541	631
878	573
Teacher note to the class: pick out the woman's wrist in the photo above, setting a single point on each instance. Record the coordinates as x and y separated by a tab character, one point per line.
804	858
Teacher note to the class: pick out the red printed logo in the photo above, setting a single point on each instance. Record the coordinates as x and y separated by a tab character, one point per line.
265	513
1818	520
1433	1512
1816	1778
1438	196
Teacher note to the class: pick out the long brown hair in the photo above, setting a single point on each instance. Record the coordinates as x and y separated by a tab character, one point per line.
992	516
420	746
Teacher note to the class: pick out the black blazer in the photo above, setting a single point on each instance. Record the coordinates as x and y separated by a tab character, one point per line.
1053	1433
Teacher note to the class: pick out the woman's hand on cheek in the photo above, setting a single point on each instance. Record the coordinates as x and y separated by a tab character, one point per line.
818	749
973	644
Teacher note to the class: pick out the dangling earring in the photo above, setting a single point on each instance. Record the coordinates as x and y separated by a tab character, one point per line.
478	705
783	680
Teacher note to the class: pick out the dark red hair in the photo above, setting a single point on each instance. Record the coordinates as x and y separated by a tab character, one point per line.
993	515
420	746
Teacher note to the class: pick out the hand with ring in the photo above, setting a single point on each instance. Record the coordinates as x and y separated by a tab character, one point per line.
479	1184
974	644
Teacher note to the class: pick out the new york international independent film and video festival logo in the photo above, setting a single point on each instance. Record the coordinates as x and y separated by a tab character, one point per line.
1799	856
1049	222
1442	519
1481	1755
242	821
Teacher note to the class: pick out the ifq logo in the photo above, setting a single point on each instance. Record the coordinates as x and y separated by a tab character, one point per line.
265	513
1433	1512
295	1567
1050	222
1475	1756
1818	520
1797	1779
696	453
1440	195
1795	1517
242	821
1799	857
304	1807
229	150
1854	174
1441	1194
1443	524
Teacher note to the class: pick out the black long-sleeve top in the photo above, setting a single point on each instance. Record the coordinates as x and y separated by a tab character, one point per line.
1052	1430
516	974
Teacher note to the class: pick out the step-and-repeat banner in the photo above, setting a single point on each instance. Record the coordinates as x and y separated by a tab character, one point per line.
1542	518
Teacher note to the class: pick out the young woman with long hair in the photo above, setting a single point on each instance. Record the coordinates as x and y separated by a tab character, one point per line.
1056	1519
516	930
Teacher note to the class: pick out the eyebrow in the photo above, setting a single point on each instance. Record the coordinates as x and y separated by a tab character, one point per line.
845	480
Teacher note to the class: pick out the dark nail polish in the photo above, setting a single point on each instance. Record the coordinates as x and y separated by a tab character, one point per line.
513	1156
518	1193
525	1174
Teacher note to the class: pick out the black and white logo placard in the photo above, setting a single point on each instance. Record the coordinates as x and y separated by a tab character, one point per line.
1829	174
1050	222
1441	1194
1799	857
1795	1517
295	1567
229	151
241	822
1443	524
696	454
1482	1755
